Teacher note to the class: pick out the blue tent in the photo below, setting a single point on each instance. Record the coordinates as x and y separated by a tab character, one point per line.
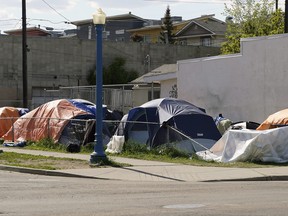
170	120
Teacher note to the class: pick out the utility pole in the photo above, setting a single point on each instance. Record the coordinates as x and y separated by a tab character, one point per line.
286	17
276	4
24	55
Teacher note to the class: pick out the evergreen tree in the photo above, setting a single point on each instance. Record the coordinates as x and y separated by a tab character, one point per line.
166	34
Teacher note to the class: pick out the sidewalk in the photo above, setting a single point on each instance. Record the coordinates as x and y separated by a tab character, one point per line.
154	171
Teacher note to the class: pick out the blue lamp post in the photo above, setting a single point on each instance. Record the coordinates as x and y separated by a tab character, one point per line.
98	155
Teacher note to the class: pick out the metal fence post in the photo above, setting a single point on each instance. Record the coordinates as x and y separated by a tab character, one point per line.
48	128
13	129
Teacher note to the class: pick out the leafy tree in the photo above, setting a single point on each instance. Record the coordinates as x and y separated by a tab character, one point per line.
250	18
91	77
166	34
116	73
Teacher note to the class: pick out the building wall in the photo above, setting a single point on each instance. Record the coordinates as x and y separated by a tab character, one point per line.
56	62
243	87
166	87
114	30
215	41
152	34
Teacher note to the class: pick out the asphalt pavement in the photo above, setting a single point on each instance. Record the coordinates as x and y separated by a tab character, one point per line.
142	170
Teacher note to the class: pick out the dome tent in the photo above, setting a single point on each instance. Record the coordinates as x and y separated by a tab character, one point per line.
61	120
8	115
277	119
170	120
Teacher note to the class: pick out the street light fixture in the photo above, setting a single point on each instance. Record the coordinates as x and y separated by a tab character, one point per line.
98	155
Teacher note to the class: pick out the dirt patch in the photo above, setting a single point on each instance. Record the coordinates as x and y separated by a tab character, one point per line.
68	164
38	162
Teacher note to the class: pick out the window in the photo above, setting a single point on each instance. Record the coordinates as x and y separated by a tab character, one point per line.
147	39
121	39
121	31
183	42
206	41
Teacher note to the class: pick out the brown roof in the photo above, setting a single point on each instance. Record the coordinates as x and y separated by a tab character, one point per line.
33	31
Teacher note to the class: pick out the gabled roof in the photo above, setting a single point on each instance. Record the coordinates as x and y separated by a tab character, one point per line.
164	72
127	16
151	27
208	24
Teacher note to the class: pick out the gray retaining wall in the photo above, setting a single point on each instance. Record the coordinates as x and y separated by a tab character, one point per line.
55	62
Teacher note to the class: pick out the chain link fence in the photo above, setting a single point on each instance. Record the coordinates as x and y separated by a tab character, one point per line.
74	133
116	97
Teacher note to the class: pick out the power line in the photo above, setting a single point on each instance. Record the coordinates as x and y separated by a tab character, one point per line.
55	10
50	21
192	1
7	20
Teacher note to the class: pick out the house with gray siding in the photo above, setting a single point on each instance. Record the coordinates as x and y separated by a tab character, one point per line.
115	28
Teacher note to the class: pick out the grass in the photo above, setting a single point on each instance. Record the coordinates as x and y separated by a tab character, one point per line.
45	145
138	151
51	163
170	154
40	162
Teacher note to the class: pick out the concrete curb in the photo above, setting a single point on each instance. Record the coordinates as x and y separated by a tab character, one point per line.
63	174
263	178
45	172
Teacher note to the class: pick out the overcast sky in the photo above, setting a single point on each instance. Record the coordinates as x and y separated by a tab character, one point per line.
54	13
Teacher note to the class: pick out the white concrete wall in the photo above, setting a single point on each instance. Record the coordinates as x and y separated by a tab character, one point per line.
243	87
166	87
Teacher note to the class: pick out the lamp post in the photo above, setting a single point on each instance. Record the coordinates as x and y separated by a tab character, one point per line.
98	155
24	55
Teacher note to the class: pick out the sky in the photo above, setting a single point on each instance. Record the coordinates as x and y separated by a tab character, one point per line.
59	13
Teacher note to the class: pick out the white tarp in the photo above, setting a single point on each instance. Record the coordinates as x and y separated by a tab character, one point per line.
250	145
115	145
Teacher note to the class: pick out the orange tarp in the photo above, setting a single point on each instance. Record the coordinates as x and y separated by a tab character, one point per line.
8	115
48	120
274	120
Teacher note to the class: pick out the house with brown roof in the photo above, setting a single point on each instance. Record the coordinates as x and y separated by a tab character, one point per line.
32	31
151	33
41	32
202	31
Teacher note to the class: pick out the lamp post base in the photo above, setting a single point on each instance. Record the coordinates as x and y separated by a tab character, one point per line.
98	159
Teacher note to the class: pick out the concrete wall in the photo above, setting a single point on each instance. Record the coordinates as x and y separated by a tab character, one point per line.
166	87
55	62
244	87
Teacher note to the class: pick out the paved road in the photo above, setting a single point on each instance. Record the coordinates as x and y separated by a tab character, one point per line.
142	170
34	195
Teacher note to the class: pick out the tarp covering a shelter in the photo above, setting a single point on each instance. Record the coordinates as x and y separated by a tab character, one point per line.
250	145
167	120
48	120
8	115
277	119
